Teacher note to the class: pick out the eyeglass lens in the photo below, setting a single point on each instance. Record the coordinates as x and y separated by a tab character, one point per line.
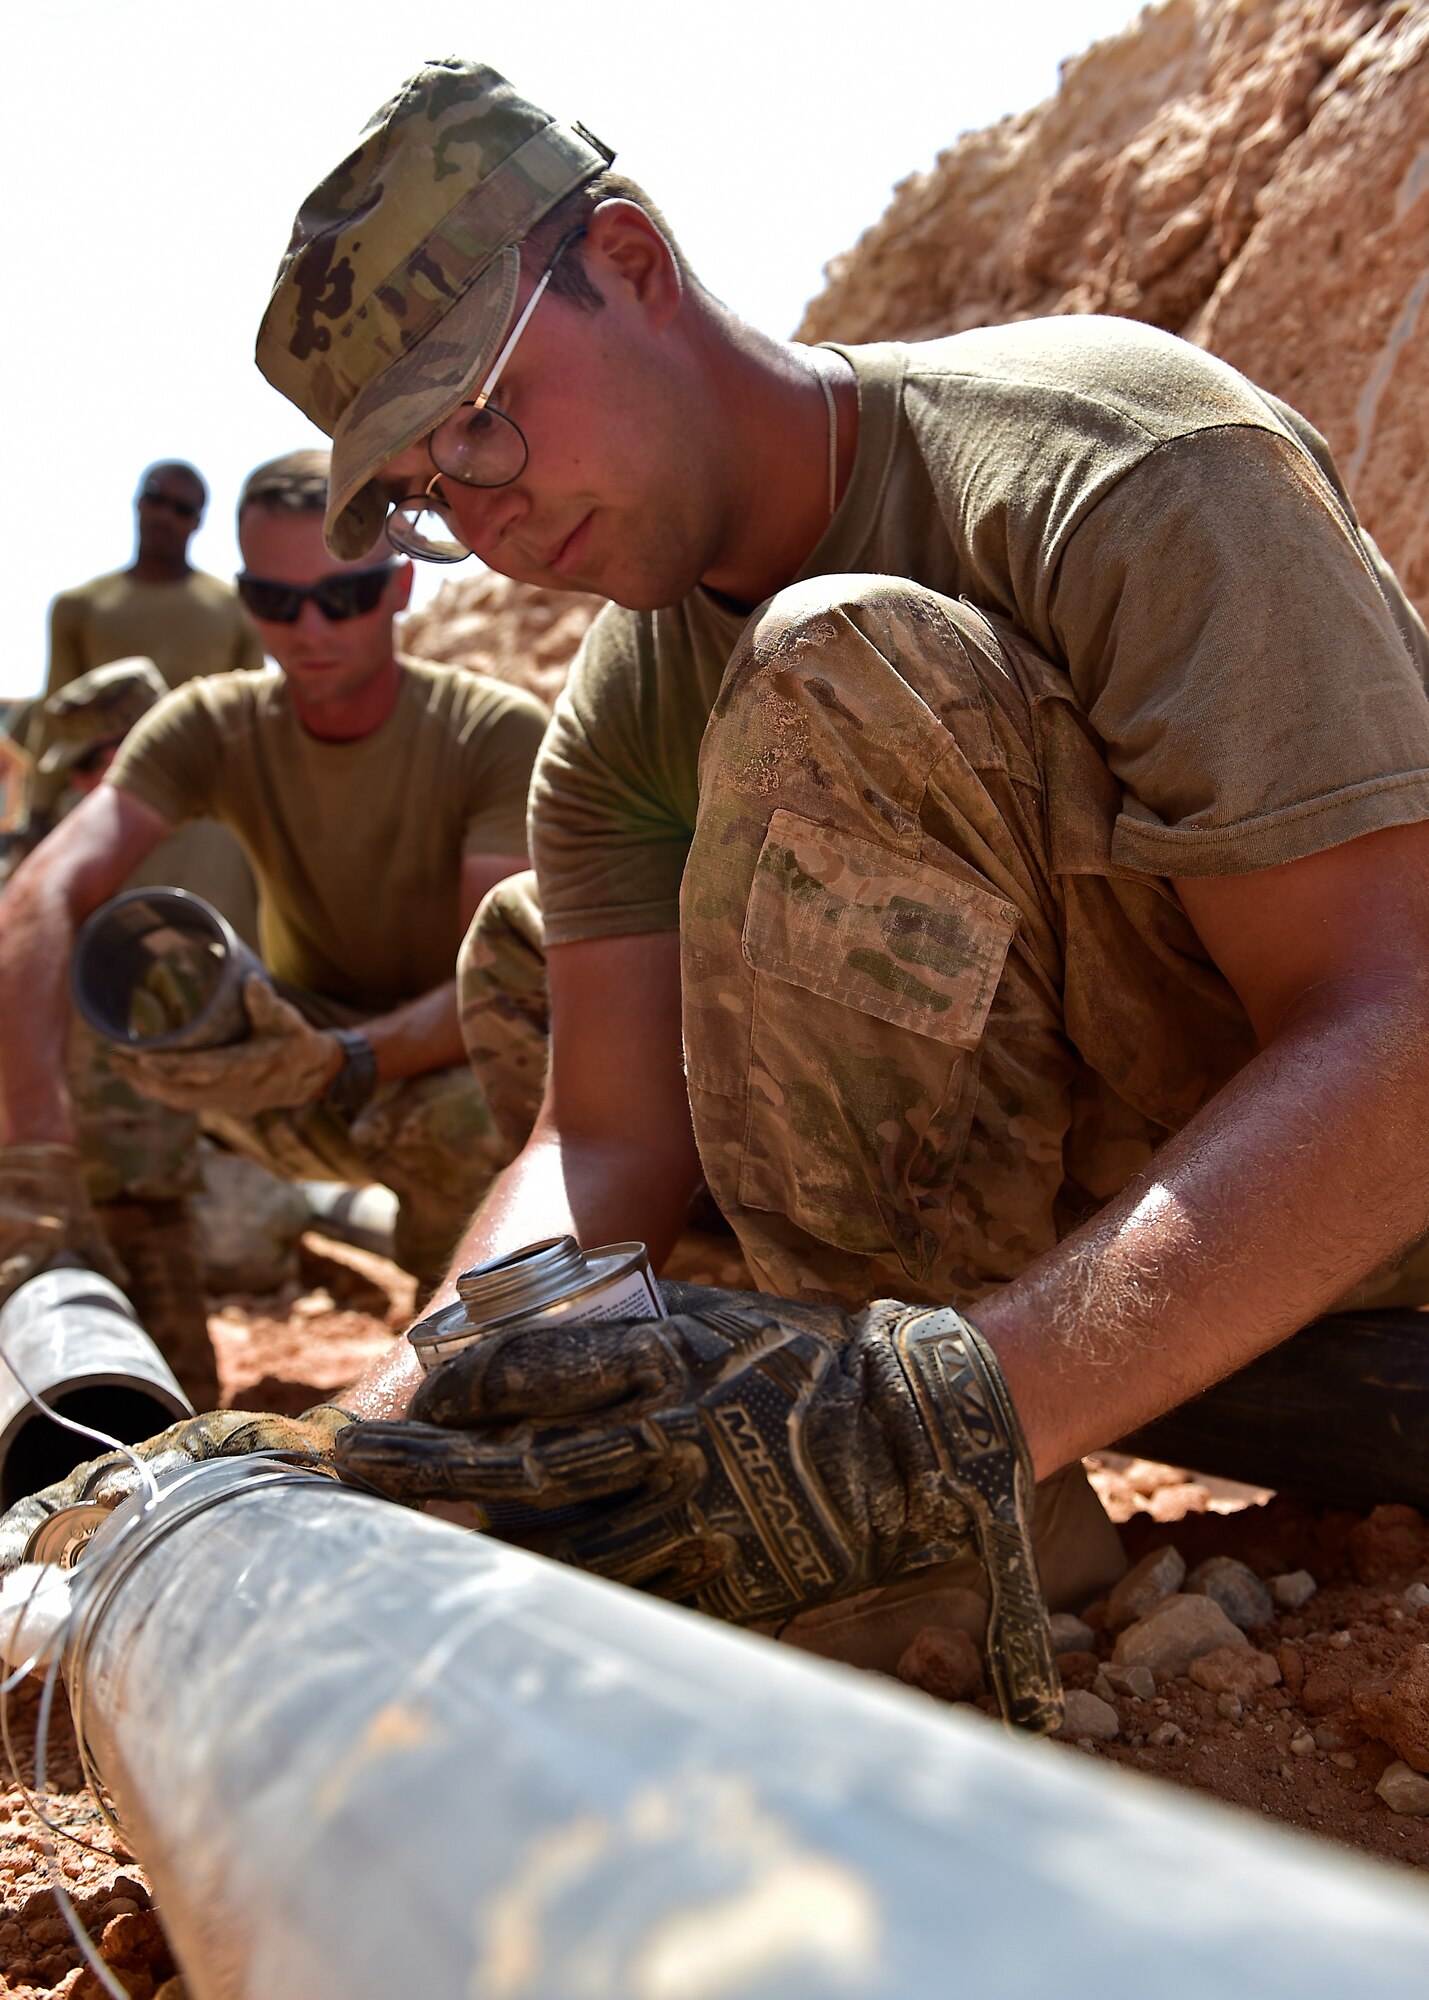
479	447
419	528
337	597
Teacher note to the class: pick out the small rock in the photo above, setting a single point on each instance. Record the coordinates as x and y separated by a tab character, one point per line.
1330	1736
1235	1670
1235	1587
1179	1630
1228	1707
1085	1714
1103	1689
1287	1772
1417	1595
1399	1716
1138	1681
1164	1735
1294	1588
945	1662
1340	1639
1404	1791
1071	1635
1346	1759
1302	1743
1154	1578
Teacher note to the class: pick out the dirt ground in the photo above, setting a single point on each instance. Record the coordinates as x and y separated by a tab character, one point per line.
1298	1748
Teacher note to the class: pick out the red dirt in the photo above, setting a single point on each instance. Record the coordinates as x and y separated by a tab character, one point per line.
1350	1639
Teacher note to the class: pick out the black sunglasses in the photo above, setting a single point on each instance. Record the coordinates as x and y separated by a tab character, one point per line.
187	510
337	597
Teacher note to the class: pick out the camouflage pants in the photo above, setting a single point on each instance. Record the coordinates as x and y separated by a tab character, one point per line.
430	1138
929	1024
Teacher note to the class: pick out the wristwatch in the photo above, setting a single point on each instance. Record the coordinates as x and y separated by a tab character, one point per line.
356	1080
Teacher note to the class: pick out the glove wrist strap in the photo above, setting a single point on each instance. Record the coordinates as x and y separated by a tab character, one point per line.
982	1459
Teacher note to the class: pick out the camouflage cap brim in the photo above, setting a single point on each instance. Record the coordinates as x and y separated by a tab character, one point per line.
410	398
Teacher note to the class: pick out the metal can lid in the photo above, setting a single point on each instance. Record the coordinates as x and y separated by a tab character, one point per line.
523	1280
64	1537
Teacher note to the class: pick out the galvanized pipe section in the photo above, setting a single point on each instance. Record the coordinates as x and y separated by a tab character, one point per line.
363	1753
169	943
75	1341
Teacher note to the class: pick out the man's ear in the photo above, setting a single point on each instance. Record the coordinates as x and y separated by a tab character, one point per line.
626	247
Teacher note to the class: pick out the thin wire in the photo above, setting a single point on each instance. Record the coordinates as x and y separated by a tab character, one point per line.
84	1430
87	1948
31	1797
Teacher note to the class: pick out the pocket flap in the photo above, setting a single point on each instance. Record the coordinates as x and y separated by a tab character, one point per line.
854	923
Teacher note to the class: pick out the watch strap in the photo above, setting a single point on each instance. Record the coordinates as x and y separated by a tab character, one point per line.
356	1078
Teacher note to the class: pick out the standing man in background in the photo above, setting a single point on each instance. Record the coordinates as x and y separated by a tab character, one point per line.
160	608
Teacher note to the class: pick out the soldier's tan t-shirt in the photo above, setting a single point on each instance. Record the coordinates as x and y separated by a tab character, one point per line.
189	628
1178	541
356	846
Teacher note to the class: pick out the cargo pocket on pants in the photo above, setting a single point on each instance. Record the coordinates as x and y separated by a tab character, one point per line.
873	979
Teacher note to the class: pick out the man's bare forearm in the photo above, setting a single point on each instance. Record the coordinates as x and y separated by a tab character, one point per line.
36	940
419	1036
1303	1175
69	874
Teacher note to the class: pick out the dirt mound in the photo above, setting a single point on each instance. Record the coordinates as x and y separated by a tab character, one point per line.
1253	176
512	631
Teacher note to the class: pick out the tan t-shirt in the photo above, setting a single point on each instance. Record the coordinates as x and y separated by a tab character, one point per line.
192	627
357	846
1178	541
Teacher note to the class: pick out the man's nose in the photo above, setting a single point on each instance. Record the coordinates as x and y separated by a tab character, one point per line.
310	619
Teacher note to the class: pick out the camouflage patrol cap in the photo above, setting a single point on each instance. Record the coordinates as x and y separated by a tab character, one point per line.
400	279
100	707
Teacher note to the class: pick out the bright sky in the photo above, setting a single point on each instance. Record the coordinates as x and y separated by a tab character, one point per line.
157	150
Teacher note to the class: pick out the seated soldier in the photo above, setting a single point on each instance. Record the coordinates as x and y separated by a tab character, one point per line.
378	799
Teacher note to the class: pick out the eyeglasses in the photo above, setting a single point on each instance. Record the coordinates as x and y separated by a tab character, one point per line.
187	510
337	597
475	445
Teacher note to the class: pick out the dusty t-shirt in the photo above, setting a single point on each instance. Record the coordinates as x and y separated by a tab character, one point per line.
357	846
193	627
1177	541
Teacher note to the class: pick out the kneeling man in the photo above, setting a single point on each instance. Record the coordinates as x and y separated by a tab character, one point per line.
378	799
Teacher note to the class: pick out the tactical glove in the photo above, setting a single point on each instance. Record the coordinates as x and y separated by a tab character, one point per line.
750	1456
45	1214
283	1064
107	1481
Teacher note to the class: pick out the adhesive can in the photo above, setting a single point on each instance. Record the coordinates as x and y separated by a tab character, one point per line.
543	1284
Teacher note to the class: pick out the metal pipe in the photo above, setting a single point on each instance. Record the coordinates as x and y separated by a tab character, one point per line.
363	1753
363	1216
76	1342
164	969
